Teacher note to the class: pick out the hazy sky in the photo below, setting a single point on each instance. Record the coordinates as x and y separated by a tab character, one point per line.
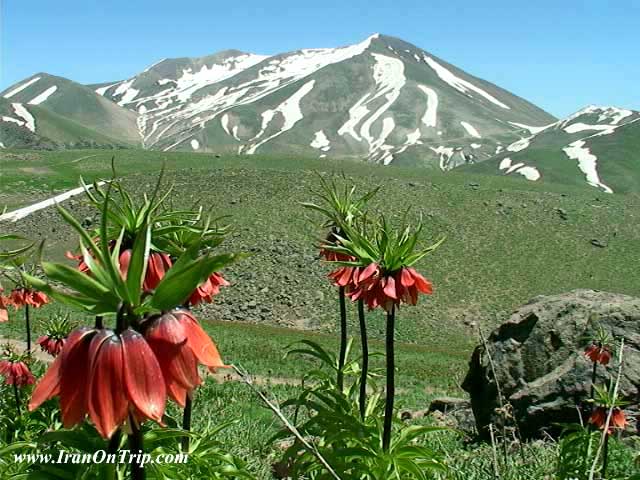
559	54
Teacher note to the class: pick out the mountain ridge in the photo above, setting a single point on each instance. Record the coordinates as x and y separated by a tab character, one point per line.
382	100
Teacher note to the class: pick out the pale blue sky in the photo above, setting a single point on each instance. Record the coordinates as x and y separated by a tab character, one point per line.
559	54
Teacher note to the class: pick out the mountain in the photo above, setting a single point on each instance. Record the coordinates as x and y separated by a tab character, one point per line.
383	100
597	146
65	112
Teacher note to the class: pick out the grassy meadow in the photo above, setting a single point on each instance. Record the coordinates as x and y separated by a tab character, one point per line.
507	240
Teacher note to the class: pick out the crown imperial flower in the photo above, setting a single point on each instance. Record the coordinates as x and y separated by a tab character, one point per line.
16	373
599	415
22	296
105	375
598	353
208	289
180	344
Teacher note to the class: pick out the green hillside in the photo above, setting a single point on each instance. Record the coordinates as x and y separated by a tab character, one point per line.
78	103
507	240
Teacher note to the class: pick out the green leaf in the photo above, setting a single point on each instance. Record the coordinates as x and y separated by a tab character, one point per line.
74	279
183	278
138	265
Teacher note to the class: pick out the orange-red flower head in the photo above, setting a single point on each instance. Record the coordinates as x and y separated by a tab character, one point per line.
16	373
598	418
82	266
108	376
4	303
21	296
157	267
180	344
208	289
51	345
598	353
378	289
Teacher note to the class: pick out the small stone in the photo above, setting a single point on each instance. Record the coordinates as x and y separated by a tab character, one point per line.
598	243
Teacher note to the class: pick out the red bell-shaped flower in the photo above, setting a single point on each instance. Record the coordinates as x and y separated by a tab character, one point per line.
207	290
378	289
106	375
51	345
21	296
599	418
16	373
4	303
598	353
157	267
180	344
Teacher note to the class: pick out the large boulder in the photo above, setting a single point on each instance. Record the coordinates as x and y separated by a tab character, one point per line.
539	362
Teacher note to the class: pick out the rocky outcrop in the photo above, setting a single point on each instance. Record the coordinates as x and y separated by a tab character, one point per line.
539	362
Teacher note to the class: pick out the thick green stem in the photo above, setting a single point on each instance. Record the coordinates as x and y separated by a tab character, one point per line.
343	338
28	325
137	448
365	359
593	380
186	420
112	448
391	386
17	397
605	456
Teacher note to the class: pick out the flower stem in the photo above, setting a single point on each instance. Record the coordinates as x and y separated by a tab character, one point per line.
17	396
593	381
365	359
605	456
390	390
28	325
136	447
343	338
112	448
186	420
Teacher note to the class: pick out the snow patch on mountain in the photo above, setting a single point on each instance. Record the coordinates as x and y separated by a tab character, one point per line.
471	130
388	75
195	144
532	130
587	163
320	141
224	122
520	145
430	115
16	215
445	154
102	90
413	138
23	113
289	109
581	127
19	88
530	173
12	120
460	84
43	96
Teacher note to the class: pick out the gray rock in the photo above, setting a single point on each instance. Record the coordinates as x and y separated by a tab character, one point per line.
447	404
598	243
540	365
